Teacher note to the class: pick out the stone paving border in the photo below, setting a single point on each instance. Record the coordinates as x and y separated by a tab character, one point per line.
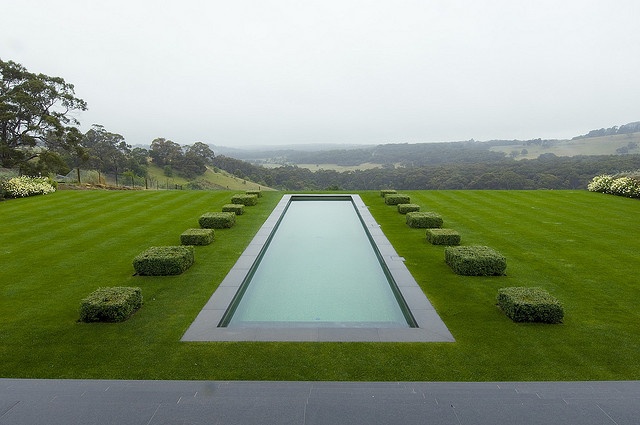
101	402
430	327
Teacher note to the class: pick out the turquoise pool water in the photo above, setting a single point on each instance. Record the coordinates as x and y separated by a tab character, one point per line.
319	269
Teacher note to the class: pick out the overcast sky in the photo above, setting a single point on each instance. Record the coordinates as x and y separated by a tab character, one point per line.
241	72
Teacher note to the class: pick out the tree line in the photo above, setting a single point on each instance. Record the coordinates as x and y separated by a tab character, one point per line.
546	172
632	127
39	133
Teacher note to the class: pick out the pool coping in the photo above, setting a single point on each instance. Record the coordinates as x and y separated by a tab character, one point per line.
430	328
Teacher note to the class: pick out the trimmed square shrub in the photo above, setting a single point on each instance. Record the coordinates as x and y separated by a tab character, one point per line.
405	208
475	260
244	199
217	220
197	237
237	209
443	237
395	199
256	192
385	192
164	260
424	220
114	304
523	304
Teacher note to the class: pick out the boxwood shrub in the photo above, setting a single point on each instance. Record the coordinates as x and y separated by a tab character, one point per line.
164	260
385	192
197	237
424	220
405	208
443	237
237	209
523	304
395	199
217	220
244	199
258	193
114	304
475	260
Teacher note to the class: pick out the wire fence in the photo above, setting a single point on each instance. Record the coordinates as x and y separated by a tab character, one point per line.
122	180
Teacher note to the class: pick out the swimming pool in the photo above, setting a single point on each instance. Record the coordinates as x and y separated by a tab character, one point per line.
319	269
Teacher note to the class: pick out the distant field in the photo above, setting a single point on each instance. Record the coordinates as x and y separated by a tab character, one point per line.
606	145
339	168
580	246
335	167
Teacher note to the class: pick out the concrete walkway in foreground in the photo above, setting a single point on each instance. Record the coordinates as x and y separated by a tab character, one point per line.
313	403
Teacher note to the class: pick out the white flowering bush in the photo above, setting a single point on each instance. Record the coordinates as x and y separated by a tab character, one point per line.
621	186
626	186
601	183
23	186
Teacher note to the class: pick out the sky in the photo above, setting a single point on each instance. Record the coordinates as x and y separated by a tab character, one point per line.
272	72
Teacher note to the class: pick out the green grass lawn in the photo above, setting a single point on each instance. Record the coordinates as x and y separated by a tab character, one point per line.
582	247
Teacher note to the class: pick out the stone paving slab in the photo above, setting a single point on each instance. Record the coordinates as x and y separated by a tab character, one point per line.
40	401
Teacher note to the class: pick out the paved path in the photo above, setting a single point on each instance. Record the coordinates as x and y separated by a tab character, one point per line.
99	402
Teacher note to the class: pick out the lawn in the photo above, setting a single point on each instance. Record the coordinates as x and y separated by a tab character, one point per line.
580	246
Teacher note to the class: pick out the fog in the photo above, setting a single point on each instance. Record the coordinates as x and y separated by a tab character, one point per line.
295	72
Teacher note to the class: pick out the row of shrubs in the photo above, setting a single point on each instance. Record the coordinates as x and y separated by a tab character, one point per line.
415	218
520	304
116	304
621	185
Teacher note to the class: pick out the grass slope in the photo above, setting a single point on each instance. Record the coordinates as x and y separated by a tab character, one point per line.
220	179
582	247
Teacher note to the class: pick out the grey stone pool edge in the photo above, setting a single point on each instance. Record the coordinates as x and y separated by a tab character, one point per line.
430	327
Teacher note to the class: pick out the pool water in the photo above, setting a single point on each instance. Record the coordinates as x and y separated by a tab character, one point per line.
319	269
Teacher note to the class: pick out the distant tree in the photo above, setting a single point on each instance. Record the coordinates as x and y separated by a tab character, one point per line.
188	161
108	152
138	160
201	150
36	120
165	152
191	165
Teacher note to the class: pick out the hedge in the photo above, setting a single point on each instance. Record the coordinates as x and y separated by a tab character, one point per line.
405	208
113	304
164	260
385	192
443	237
244	199
237	209
424	220
197	237
217	220
395	199
522	304
258	193
475	260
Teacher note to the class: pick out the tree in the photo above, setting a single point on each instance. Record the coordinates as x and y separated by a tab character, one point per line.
165	152
201	150
108	152
35	117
